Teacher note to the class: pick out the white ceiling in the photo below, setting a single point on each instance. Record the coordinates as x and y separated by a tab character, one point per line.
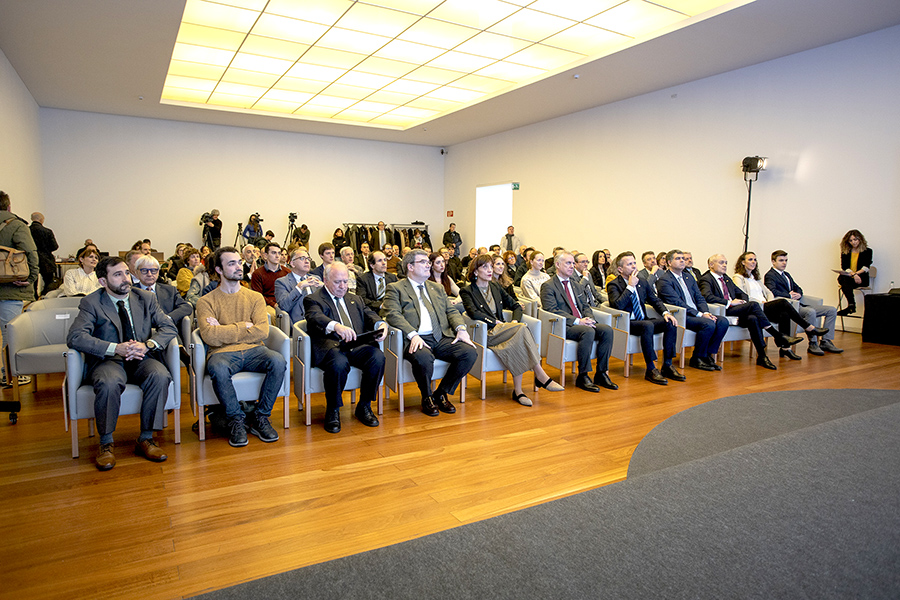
103	55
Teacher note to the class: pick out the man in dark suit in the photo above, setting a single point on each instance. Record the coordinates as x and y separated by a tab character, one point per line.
582	276
562	296
372	284
718	288
690	268
630	293
782	285
170	301
677	287
432	328
46	245
651	271
293	288
334	318
114	328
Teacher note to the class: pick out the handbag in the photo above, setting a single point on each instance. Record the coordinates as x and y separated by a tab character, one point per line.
13	262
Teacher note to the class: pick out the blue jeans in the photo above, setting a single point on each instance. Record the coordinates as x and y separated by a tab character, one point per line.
9	310
223	365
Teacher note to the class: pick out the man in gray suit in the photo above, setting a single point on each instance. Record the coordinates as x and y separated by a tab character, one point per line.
114	328
420	309
582	276
291	289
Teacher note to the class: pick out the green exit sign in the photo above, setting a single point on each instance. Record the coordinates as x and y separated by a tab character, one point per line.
515	186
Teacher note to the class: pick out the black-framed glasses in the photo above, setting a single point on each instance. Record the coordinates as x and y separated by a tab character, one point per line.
145	271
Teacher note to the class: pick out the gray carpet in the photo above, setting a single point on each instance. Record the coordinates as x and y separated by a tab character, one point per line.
811	513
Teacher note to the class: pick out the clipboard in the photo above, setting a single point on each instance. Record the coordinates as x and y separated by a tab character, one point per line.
362	338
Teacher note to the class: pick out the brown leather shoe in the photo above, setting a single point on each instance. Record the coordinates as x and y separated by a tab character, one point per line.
105	460
149	450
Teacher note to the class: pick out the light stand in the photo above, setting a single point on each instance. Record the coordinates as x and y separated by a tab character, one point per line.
751	166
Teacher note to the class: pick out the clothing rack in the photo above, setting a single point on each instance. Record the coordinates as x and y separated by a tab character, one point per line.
396	230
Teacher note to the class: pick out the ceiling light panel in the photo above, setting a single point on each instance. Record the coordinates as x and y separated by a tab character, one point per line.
396	63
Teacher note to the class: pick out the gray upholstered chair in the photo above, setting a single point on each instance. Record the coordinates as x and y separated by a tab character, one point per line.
80	393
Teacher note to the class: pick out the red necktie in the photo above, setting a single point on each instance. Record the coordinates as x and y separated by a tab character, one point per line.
724	289
571	300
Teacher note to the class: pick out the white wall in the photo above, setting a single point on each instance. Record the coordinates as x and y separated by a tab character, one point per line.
663	170
118	179
20	147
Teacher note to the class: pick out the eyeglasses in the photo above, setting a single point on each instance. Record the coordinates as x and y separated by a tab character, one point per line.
149	271
306	258
422	262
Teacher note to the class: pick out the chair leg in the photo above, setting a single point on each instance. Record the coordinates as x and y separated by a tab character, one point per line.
400	395
627	365
484	384
177	421
287	410
74	429
308	404
380	400
352	397
462	391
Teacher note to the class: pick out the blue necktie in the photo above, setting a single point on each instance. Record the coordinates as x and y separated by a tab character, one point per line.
636	311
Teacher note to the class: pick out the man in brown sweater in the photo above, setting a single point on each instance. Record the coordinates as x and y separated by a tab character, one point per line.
234	324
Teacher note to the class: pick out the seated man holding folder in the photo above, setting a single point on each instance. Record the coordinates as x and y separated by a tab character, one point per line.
334	320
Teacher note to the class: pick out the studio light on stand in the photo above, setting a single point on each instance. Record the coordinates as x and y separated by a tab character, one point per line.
751	166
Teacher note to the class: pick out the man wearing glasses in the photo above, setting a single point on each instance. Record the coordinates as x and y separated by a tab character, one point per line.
291	289
431	328
170	301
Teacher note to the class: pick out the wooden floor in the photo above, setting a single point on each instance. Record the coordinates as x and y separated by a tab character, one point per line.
212	515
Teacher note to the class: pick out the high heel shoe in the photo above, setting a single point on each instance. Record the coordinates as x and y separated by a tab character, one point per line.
549	385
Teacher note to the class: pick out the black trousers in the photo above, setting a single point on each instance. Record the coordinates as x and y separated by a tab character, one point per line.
109	379
336	367
751	316
460	356
585	336
780	311
709	334
848	285
646	329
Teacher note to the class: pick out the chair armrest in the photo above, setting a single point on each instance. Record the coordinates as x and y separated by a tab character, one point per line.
602	317
198	355
173	362
477	329
807	300
717	309
74	375
534	326
620	318
187	325
679	313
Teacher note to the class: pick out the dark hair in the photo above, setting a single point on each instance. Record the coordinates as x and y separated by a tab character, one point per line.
481	259
846	248
445	279
137	245
105	264
662	255
372	257
272	233
671	254
216	261
188	253
4	201
325	246
409	258
503	279
741	270
778	253
269	245
647	253
595	259
84	253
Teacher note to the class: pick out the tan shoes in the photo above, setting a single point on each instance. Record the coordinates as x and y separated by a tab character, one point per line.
105	460
149	450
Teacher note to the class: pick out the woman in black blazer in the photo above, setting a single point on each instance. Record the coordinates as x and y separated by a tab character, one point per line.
512	342
856	258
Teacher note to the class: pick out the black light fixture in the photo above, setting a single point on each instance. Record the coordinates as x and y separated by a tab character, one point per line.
751	166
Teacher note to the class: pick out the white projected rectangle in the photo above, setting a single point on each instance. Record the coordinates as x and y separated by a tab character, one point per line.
493	213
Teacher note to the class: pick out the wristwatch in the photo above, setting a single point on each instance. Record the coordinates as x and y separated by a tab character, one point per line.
151	345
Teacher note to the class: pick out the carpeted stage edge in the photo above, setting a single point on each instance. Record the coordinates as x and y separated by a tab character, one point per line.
774	495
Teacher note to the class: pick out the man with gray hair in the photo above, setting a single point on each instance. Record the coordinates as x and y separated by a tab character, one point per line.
46	245
170	301
562	296
432	328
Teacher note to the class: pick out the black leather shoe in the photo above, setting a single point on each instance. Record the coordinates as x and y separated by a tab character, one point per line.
819	331
764	362
332	420
584	382
654	376
698	363
788	353
366	416
440	400
604	381
670	372
785	341
846	311
429	407
711	361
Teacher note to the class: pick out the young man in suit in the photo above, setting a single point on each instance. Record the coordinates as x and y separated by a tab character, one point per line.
630	293
372	284
291	289
676	286
334	318
718	288
114	328
432	328
562	296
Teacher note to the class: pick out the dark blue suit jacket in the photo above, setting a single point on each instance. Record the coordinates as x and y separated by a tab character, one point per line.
321	310
671	292
777	284
620	296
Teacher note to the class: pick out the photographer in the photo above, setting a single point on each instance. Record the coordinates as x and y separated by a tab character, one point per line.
253	231
301	236
212	229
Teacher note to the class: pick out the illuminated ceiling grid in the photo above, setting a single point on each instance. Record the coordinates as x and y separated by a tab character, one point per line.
393	63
